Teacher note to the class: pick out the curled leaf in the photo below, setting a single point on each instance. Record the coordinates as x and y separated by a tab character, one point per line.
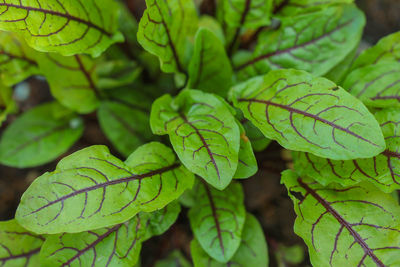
247	165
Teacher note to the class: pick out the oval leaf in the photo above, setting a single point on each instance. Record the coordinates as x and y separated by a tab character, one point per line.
313	42
217	219
39	136
252	251
91	189
203	133
369	235
67	27
164	31
309	114
18	247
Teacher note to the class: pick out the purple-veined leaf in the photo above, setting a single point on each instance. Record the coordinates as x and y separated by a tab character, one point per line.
249	14
203	132
353	226
165	31
18	247
309	114
91	189
67	27
290	8
217	219
313	42
382	170
17	60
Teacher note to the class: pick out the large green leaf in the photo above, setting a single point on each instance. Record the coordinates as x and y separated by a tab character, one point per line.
252	251
382	170
202	131
7	103
355	226
165	31
91	189
18	246
17	60
210	69
39	136
118	245
386	50
377	85
313	42
309	114
72	80
288	8
124	118
67	27
217	219
247	164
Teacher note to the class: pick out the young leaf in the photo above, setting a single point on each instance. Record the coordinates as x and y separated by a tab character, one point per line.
18	246
117	245
202	131
7	104
355	226
67	27
290	8
376	85
117	73
382	170
39	136
72	80
209	68
175	259
309	114
91	189
249	14
247	164
217	219
124	118
301	43
165	29
252	251
386	50
17	60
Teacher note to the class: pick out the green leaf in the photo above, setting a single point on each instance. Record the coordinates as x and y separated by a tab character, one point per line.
386	50
382	170
18	246
117	73
313	42
305	113
118	245
17	60
165	31
376	85
202	131
290	8
247	164
210	69
212	25
252	251
355	226
91	189
39	136
124	118
175	259
339	72
67	27
217	219
7	104
249	14
72	80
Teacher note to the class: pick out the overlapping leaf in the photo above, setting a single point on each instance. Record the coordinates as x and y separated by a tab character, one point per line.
210	69
39	136
313	42
17	60
247	13
165	31
7	104
117	73
287	8
382	170
91	189
68	27
72	80
247	165
18	246
174	259
203	132
251	252
355	226
309	114
217	219
124	118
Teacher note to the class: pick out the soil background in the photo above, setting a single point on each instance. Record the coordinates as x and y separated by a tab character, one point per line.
264	196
